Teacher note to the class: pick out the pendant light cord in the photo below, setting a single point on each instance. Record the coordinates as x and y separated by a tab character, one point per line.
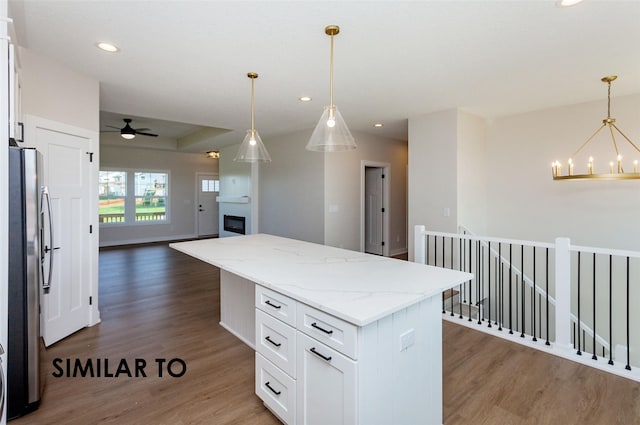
331	76
252	106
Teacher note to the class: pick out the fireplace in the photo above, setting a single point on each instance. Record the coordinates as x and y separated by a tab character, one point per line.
235	224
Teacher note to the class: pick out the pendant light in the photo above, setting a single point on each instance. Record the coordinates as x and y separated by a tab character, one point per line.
252	149
331	133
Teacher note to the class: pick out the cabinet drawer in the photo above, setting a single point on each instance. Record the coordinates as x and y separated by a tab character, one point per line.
277	305
276	341
330	330
276	389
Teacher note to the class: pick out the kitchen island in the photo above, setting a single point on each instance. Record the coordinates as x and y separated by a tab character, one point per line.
341	337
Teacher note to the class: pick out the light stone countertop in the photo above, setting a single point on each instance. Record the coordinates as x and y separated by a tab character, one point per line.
356	287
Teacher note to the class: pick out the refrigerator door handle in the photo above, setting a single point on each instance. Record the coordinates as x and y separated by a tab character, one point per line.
44	196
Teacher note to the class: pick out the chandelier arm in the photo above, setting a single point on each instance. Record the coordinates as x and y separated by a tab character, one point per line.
588	140
623	135
613	139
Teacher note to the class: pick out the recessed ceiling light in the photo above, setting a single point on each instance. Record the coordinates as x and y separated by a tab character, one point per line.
107	47
304	99
378	125
567	3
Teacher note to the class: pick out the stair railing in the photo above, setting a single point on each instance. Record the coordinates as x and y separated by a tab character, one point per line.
553	291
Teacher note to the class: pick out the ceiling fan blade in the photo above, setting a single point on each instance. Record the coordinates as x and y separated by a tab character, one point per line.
146	134
110	126
141	129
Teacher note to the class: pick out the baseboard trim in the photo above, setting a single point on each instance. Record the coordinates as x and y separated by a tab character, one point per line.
147	240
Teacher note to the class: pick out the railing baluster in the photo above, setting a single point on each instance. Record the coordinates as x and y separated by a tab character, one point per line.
510	289
452	267
610	309
628	366
547	295
522	283
489	282
500	284
579	327
478	279
594	357
533	297
470	269
460	288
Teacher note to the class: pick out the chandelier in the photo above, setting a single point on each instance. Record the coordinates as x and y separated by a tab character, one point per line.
616	169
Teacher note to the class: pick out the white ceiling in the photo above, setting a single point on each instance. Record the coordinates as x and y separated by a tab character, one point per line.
186	61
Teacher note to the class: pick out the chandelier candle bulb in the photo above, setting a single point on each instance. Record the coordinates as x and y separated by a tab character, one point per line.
635	166
619	164
570	166
590	165
611	167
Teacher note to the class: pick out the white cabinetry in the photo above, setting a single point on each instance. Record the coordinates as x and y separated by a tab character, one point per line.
326	385
314	368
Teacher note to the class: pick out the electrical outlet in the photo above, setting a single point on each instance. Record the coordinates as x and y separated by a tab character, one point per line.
407	339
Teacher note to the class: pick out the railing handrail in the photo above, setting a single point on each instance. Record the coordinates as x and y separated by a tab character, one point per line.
471	237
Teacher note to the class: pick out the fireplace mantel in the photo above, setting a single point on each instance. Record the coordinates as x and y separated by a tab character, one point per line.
233	199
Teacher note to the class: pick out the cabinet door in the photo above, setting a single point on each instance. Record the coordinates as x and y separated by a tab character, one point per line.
326	385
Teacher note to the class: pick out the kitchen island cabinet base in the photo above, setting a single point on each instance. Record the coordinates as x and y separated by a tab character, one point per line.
237	307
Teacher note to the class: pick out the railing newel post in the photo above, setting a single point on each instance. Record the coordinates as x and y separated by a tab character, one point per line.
563	293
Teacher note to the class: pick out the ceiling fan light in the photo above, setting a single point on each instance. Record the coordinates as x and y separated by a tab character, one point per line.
127	132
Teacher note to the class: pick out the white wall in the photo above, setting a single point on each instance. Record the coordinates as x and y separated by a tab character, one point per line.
51	91
472	172
236	180
433	178
523	200
292	189
342	198
182	168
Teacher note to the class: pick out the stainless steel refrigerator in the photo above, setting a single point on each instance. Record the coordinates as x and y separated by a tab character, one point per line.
29	219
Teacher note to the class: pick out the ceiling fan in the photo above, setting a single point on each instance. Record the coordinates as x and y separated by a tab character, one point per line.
128	132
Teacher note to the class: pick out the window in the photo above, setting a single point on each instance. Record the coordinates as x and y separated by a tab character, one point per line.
210	185
151	196
129	196
112	196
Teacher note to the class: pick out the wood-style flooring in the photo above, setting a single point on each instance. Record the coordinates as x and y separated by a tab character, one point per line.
157	303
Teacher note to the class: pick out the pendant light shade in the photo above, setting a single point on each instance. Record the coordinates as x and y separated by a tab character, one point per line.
252	149
331	133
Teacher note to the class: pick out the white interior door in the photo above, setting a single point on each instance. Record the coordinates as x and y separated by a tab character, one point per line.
65	307
207	206
373	213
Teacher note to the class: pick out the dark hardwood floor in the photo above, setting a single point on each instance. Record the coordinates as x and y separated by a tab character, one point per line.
157	303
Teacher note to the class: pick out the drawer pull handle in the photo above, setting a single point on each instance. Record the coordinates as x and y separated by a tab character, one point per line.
271	388
277	344
277	307
315	325
313	350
